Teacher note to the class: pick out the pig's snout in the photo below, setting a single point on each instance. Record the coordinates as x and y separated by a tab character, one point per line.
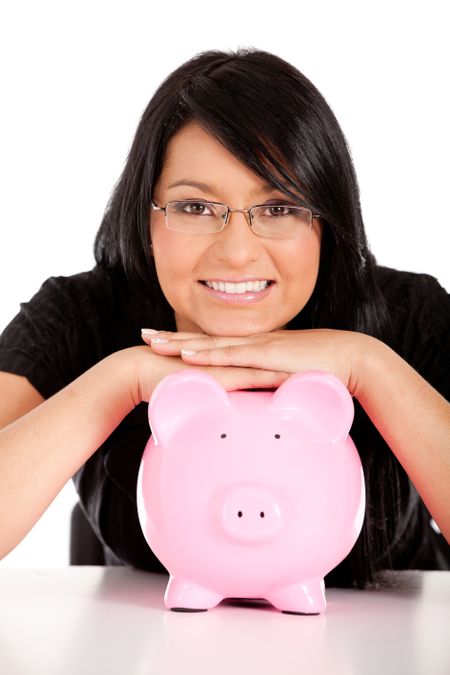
251	514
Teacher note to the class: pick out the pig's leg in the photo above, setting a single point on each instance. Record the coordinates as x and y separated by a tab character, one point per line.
307	597
186	595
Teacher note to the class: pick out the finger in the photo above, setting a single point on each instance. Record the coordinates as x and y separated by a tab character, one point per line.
233	379
244	355
173	346
148	334
163	341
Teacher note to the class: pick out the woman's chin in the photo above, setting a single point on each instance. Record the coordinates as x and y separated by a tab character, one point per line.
236	329
225	325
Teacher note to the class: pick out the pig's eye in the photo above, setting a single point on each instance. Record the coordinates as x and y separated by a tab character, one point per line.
277	436
223	435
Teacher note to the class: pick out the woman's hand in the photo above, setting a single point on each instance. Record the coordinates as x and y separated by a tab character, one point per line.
146	368
288	351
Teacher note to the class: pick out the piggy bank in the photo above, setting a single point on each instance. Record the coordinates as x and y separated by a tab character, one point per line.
250	494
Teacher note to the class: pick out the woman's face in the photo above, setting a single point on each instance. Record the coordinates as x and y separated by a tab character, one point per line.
183	261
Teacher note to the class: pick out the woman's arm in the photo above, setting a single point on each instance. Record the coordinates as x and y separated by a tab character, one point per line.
41	450
414	420
412	417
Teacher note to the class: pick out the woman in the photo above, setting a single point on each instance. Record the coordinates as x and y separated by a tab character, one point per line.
239	174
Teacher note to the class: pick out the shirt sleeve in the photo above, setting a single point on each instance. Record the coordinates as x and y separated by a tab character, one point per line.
430	334
418	323
56	335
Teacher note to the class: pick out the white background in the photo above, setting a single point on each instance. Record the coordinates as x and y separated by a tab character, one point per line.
76	78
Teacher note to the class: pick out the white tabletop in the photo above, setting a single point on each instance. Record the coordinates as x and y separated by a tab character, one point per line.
112	620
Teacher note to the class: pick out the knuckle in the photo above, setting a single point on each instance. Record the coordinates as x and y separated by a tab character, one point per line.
254	374
274	343
229	350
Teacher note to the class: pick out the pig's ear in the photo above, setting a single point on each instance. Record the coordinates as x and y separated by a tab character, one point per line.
319	399
181	396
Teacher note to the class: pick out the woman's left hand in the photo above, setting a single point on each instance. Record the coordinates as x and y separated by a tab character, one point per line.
290	351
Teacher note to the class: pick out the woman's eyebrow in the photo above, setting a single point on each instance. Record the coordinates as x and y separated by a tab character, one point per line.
209	188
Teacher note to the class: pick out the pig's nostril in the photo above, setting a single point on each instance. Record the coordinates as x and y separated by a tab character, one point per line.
250	513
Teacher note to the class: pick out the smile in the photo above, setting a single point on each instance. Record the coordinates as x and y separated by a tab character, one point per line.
238	293
237	288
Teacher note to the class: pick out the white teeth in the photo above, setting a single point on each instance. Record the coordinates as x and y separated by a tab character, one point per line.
242	287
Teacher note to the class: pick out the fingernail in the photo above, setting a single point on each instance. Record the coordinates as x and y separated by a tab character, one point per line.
187	352
149	331
159	341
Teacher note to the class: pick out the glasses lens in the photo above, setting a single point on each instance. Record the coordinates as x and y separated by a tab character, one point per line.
281	221
195	217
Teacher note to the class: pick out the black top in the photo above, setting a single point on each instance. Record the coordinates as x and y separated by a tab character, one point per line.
73	322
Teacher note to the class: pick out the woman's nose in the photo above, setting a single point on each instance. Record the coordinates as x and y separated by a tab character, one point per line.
236	243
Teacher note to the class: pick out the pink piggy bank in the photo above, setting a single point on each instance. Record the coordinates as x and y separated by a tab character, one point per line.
250	494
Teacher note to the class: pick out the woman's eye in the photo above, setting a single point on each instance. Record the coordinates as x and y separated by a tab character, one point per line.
194	208
277	210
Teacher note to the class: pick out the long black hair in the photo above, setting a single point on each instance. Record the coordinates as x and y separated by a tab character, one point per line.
275	121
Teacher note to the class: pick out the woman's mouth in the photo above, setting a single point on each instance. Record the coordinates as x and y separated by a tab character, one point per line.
241	292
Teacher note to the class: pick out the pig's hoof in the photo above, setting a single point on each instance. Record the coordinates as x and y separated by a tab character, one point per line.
187	609
287	611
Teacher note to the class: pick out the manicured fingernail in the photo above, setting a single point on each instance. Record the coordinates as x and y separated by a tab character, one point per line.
148	331
159	341
187	352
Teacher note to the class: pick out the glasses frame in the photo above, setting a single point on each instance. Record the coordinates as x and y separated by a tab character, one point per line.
248	212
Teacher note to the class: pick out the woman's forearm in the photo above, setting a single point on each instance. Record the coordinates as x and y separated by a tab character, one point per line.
41	451
414	420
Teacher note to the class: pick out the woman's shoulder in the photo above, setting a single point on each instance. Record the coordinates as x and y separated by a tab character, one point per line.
415	299
68	325
100	297
414	286
83	289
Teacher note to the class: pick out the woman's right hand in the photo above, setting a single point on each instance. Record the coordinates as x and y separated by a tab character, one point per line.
146	369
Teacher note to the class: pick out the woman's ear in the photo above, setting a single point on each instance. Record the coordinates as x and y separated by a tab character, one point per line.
317	223
150	248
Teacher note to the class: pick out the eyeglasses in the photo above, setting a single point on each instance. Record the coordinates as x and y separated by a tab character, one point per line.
276	221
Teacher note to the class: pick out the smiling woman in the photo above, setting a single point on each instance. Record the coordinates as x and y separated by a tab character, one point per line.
199	273
235	237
